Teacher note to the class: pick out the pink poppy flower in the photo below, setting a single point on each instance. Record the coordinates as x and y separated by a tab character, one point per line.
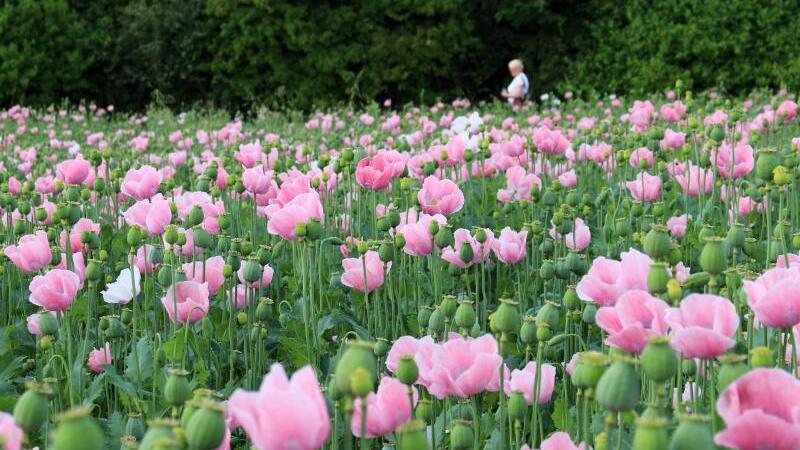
695	180
761	410
421	350
142	183
677	225
702	326
524	382
734	163
82	225
32	253
518	185
575	240
211	272
465	367
639	155
550	141
672	140
387	409
151	215
99	357
300	209
367	270
480	252
775	297
645	188
440	197
558	441
608	279
55	290
257	180
11	435
284	413
32	322
73	171
635	318
374	173
510	247
186	301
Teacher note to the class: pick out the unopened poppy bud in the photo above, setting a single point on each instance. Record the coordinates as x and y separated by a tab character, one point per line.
195	217
93	271
48	324
674	290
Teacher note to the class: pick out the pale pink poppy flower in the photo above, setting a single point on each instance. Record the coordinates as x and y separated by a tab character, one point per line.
672	140
416	232
568	179
787	110
32	322
550	141
480	252
249	154
635	318
284	413
73	171
99	357
703	326
421	350
32	253
510	247
141	183
608	279
518	185
734	163
440	196
301	209
82	225
717	118
641	115
210	271
673	112
559	441
645	188
524	381
761	410
387	409
55	290
775	297
465	367
258	180
374	173
677	225
143	259
639	155
695	180
186	301
151	215
355	275
11	435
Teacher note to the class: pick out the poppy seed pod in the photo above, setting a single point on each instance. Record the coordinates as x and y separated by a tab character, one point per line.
252	271
461	436
386	252
177	389
444	237
157	430
32	408
436	321
549	314
448	306
517	406
657	243
761	357
77	430
619	387
465	315
407	370
766	162
657	278
507	318
659	360
713	258
412	436
357	355
48	324
651	434
731	368
693	433
381	347
206	428
527	332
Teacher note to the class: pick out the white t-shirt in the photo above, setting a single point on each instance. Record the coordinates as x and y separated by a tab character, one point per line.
519	80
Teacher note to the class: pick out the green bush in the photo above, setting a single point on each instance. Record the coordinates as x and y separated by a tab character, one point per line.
306	54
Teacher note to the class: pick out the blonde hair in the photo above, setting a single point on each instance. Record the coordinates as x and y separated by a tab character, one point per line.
516	64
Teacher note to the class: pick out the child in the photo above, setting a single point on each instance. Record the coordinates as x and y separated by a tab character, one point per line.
517	91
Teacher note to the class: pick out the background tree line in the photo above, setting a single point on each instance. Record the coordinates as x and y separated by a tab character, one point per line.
306	53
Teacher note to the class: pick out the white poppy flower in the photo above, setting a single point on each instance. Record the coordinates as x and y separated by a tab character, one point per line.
121	291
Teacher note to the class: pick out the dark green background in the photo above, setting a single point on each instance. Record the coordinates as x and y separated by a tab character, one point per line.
301	54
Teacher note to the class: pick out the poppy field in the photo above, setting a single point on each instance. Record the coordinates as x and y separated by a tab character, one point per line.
614	273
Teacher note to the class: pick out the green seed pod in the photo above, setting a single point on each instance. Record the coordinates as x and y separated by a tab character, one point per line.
448	306
761	357
424	410
697	280
651	434
48	324
407	370
507	318
381	347
688	367
570	299
657	243
767	160
423	316
657	278
135	425
177	389
717	134
547	270
444	237
693	433
517	406
195	217
713	259
357	355
134	237
465	253
465	315
436	321
589	312
264	309
386	252
736	236
461	436
659	360
252	271
527	332
594	366
314	230
32	408
412	436
157	430
731	368
550	315
206	428
619	387
77	430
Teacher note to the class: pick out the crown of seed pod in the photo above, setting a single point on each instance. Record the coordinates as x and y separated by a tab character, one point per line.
206	429
177	389
659	360
77	430
651	434
619	388
357	355
32	408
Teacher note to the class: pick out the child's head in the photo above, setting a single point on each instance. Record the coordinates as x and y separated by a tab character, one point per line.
515	67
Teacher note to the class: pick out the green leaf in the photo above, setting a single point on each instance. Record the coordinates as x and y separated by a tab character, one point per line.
124	385
139	363
95	389
175	347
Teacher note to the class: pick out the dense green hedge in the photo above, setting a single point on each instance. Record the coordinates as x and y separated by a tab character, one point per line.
304	53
